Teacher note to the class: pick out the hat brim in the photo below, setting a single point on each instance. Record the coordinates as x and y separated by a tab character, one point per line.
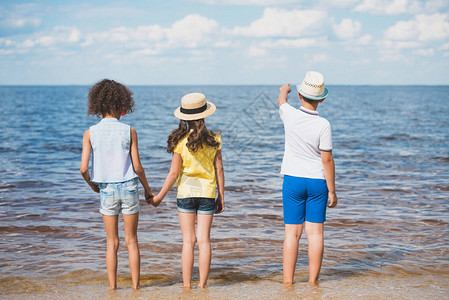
312	97
189	117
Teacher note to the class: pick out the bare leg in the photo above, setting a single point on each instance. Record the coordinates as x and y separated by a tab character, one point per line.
112	242
315	240
131	222
204	224
290	253
187	222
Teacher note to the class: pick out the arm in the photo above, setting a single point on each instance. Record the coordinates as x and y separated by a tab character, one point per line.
219	173
170	180
134	151
283	94
329	171
85	155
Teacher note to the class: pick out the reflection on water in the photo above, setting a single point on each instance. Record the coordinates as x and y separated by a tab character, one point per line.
388	238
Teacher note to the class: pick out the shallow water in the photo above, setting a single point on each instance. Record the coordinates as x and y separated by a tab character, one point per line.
388	237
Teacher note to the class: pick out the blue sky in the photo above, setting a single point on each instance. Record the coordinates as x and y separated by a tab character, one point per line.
224	41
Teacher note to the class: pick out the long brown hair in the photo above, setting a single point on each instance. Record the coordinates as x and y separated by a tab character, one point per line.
198	135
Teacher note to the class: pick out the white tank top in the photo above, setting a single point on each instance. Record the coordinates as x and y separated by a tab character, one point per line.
111	159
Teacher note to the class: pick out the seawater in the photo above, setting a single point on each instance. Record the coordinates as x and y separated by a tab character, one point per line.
388	237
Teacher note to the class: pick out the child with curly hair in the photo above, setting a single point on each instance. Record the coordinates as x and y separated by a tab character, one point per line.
115	169
197	166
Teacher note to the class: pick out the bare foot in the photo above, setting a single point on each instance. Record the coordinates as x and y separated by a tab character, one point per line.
313	283
287	284
136	288
187	287
202	286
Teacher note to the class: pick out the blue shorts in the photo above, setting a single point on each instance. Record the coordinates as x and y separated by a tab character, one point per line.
304	199
199	205
119	197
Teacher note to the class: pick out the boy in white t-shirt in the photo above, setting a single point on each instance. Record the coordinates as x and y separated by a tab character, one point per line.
309	174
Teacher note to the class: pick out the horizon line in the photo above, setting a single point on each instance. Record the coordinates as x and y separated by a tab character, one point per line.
155	85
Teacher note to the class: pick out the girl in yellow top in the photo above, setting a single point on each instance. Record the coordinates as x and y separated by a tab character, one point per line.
198	167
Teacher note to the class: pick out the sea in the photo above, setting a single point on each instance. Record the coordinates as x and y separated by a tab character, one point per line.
388	238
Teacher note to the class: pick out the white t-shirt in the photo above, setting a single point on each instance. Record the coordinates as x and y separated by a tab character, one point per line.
306	135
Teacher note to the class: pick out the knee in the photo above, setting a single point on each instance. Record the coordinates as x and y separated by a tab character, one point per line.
113	243
314	231
203	241
131	240
189	241
293	235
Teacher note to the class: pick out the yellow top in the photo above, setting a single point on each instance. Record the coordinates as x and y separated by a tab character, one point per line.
197	176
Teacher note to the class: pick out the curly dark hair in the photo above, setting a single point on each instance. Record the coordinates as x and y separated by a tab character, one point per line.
197	137
109	96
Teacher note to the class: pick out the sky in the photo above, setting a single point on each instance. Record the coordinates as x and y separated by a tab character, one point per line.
224	42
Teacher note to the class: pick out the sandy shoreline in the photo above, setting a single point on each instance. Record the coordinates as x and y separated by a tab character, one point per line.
93	285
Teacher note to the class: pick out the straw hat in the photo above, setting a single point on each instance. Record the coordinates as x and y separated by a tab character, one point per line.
312	86
194	107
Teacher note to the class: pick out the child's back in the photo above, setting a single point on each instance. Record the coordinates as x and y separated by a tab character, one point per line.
197	166
309	174
111	141
306	135
197	174
115	170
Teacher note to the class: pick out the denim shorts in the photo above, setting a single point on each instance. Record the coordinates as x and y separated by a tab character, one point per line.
199	205
119	197
304	199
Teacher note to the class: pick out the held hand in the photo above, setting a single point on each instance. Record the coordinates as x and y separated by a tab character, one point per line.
332	200
219	205
149	195
95	187
157	200
285	89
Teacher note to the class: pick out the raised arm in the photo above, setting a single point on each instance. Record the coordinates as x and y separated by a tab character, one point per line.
170	180
283	94
219	173
138	166
85	156
329	171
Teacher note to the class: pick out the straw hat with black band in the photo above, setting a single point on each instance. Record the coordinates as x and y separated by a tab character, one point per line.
194	107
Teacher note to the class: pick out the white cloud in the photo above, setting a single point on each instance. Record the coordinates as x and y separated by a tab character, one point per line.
22	22
224	44
444	46
19	16
425	52
250	2
347	29
339	3
28	44
399	45
144	52
254	51
389	7
6	42
191	31
365	40
290	43
284	23
422	28
134	37
395	7
318	58
59	36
